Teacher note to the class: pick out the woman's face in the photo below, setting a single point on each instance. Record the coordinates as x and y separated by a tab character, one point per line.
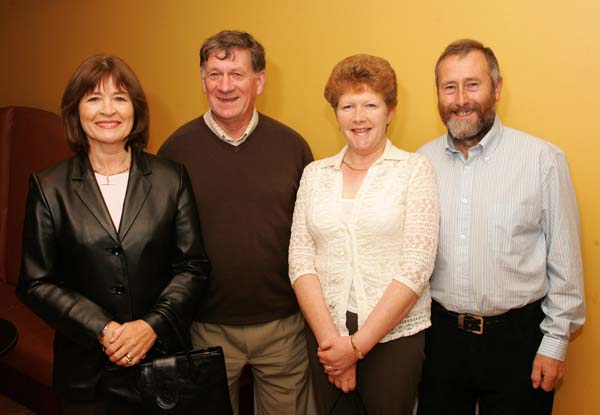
363	118
106	115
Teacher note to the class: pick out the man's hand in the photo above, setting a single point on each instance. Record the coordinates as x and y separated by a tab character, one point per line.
547	372
336	353
346	381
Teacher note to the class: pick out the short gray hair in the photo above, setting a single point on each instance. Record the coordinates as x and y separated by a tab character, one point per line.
464	46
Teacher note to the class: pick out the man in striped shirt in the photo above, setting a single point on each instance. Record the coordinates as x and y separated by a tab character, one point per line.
507	287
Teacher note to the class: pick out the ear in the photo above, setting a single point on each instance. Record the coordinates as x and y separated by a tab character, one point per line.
203	83
390	115
498	89
261	78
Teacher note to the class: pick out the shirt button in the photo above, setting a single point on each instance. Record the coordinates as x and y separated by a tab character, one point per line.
462	236
465	200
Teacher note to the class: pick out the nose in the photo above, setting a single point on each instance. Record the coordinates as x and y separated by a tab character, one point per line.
462	97
359	114
107	106
225	83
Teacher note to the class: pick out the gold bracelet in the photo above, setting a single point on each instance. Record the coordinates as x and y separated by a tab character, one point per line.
360	355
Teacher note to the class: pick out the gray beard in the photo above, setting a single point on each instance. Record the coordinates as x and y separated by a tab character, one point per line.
465	130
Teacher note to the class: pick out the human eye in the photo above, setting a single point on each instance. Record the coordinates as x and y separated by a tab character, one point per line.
472	85
214	75
372	106
449	88
121	98
237	75
345	107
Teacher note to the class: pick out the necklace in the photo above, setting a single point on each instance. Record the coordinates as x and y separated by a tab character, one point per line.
102	168
352	167
108	183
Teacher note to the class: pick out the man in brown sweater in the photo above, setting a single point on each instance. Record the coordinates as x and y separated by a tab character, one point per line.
245	169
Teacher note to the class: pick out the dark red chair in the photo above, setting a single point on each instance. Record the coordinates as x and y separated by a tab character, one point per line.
30	139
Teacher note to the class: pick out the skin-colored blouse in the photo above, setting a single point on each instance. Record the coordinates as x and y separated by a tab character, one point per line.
391	235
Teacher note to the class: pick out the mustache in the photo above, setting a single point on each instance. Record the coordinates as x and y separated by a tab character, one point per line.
468	107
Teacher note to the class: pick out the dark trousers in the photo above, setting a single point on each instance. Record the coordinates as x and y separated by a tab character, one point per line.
102	405
493	368
387	378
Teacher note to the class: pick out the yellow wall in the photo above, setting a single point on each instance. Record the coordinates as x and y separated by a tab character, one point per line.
548	50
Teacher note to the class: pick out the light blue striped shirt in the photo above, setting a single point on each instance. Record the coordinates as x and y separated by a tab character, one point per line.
509	232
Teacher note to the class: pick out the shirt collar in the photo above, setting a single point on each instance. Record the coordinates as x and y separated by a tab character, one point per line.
219	132
390	152
488	143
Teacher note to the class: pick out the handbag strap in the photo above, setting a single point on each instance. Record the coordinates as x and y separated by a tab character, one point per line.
184	347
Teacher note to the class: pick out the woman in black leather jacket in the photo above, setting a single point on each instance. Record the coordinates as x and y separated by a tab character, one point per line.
111	240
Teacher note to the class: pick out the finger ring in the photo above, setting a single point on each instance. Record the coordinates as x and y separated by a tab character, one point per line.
128	358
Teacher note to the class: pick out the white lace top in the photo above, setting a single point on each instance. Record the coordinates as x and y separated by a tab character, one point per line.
392	234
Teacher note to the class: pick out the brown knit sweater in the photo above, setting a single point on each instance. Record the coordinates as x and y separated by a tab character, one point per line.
245	197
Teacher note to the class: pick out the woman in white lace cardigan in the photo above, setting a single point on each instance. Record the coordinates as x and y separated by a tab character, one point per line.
362	249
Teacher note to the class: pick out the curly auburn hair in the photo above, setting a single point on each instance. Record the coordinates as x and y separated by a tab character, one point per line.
357	72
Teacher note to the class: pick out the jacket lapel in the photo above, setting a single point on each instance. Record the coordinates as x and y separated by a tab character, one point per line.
86	187
137	191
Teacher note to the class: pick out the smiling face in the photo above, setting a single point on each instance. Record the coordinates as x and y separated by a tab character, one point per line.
106	115
231	86
363	118
466	95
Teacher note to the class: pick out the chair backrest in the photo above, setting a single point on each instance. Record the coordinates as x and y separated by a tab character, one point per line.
30	139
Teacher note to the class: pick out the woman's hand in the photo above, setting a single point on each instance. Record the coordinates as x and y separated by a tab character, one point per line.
346	381
336	354
129	342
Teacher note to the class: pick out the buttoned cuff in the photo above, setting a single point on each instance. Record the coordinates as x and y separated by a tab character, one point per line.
554	348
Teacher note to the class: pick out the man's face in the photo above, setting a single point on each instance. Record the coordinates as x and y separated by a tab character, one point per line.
231	86
466	94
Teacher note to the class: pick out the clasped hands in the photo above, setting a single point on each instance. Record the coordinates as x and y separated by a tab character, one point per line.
127	344
339	360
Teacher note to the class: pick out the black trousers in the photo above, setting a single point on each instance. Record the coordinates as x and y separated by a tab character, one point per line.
102	405
493	369
387	378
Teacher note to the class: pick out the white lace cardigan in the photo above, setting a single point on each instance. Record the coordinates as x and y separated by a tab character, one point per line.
392	234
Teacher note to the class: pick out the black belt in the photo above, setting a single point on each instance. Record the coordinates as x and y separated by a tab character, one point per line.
480	324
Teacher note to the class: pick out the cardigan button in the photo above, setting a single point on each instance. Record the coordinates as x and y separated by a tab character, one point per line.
116	250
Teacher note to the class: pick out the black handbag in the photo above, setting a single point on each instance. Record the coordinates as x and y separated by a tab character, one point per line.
189	382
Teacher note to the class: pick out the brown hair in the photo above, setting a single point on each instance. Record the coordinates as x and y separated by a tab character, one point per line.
463	47
227	40
359	71
90	73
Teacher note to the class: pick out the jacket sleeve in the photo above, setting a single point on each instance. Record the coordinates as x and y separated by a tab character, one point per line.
40	286
190	268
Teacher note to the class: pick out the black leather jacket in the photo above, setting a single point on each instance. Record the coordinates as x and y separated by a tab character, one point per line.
78	272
